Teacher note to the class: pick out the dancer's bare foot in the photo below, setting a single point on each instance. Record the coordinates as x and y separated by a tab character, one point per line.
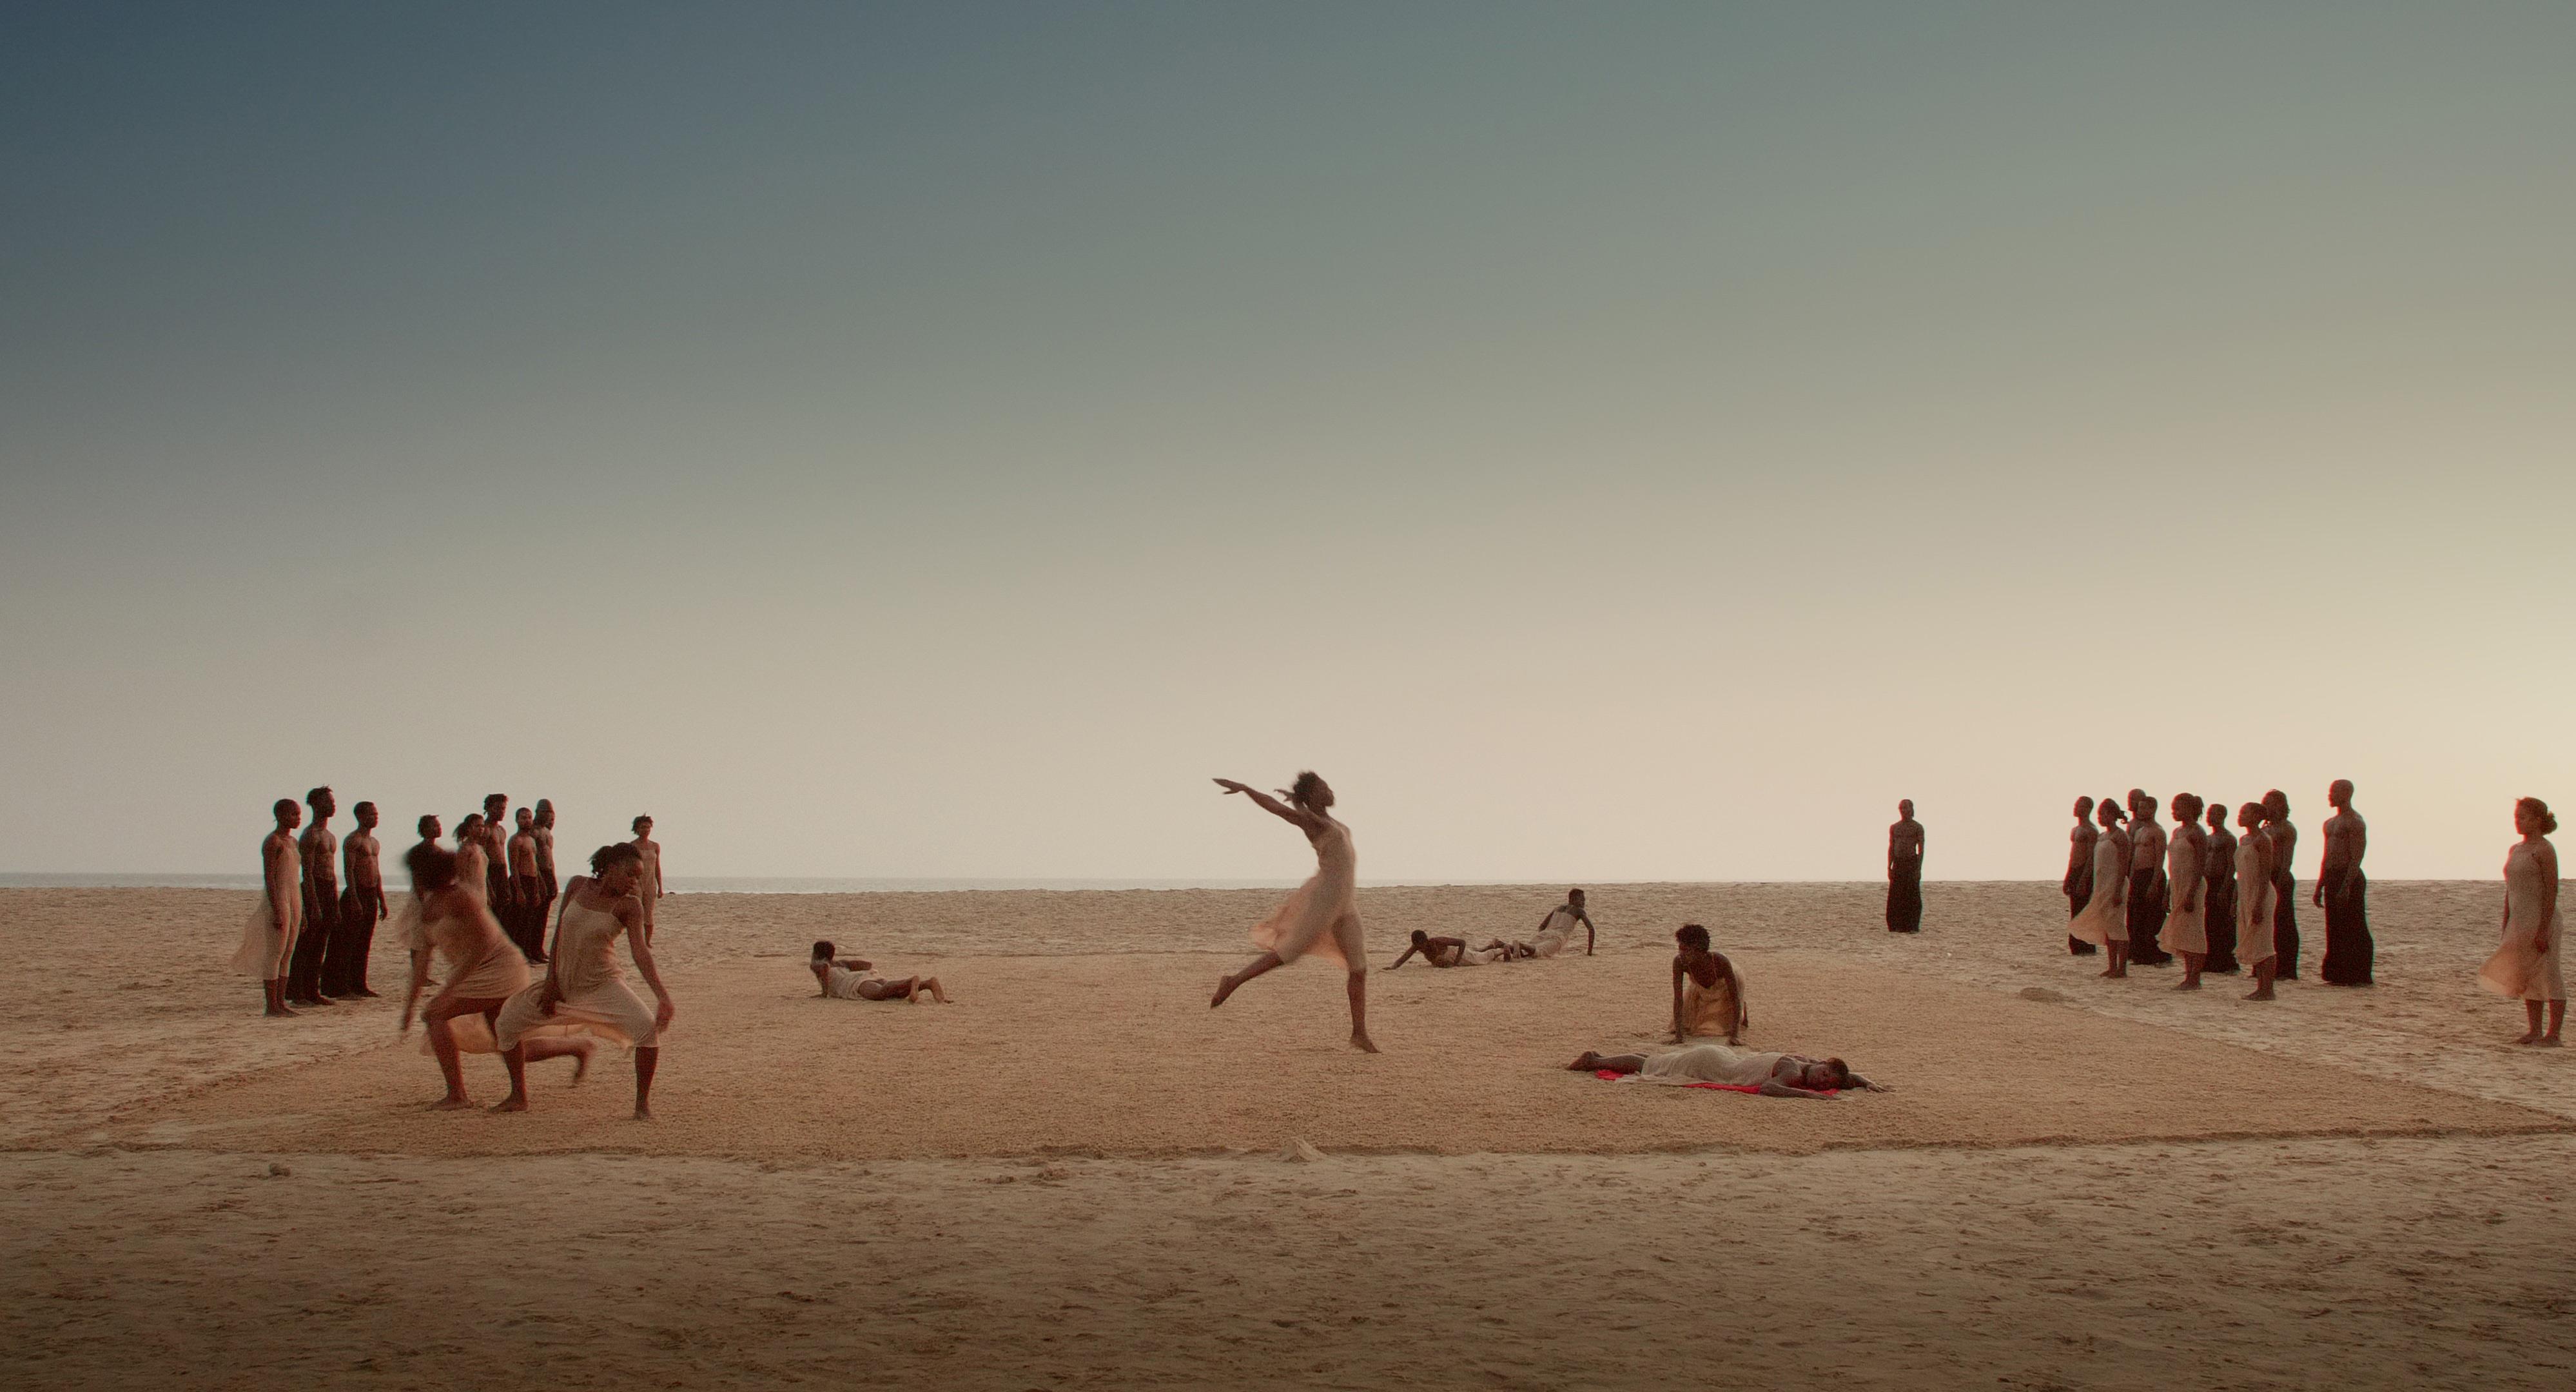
452	1104
280	1012
2529	1037
511	1104
581	1060
1363	1043
643	1114
2121	975
2259	993
2547	1041
1224	987
2106	971
2186	985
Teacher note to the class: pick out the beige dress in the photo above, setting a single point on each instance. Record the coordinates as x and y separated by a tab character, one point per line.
1715	1011
1557	934
1323	916
2516	970
2254	896
1711	1063
265	949
481	964
596	998
2186	930
2105	919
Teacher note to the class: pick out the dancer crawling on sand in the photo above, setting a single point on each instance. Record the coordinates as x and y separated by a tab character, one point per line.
582	985
483	972
1556	931
1454	952
841	979
1323	916
1708	997
1777	1075
2527	964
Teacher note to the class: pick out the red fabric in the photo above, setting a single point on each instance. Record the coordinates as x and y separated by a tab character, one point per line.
1607	1076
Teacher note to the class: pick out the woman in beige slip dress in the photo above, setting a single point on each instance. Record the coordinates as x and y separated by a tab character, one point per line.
483	971
2186	930
583	989
2255	921
1323	916
2527	964
268	938
2105	920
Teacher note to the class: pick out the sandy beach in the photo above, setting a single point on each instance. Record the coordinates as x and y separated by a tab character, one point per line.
1078	1175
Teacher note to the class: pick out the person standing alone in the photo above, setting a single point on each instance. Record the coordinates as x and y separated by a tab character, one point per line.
2341	890
1905	871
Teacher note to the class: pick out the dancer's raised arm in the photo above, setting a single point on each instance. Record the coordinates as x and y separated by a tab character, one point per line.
1306	821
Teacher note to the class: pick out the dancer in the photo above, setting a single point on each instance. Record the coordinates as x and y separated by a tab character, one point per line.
648	889
2527	964
582	985
2218	911
2149	891
1777	1075
841	980
526	891
2105	920
545	859
471	859
2342	891
362	906
2186	930
319	852
484	972
2285	884
2256	925
495	836
2078	884
1905	871
1708	994
1556	931
1323	916
268	939
1454	952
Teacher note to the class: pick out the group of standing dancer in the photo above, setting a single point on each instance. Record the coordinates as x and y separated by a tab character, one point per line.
309	938
2220	901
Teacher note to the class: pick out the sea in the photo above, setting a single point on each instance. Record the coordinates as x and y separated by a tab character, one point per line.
686	884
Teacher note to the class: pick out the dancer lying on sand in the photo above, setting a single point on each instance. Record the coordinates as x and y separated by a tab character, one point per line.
1778	1075
841	980
583	986
1708	997
1454	952
1556	931
2527	964
483	972
1323	916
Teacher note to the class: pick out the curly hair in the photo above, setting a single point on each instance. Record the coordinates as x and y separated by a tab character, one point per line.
614	853
1302	792
2539	813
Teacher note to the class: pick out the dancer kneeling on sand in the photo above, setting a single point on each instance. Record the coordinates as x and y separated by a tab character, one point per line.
1778	1075
582	986
841	979
1454	952
1323	916
1708	996
484	970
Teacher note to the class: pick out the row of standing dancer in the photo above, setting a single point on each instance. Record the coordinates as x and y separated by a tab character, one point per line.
2221	902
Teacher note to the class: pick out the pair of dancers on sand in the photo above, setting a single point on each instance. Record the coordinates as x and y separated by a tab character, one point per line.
1555	936
487	1002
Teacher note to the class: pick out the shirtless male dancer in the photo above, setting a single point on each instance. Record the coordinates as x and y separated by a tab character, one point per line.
321	852
1453	952
494	837
1556	929
2148	890
1905	871
2078	884
527	926
362	905
2219	909
2285	884
2342	890
546	859
649	888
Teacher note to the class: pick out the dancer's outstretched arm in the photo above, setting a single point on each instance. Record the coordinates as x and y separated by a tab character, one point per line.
1306	821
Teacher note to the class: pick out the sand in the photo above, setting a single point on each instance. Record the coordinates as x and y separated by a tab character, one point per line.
1074	1175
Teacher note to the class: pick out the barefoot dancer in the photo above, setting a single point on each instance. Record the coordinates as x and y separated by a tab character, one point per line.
527	899
320	852
842	979
2105	920
2148	890
2255	923
362	904
2186	930
2078	884
1778	1075
268	939
483	972
1556	931
1454	952
2285	884
583	986
2218	911
1708	996
1323	916
1905	870
2342	891
649	888
471	861
2527	964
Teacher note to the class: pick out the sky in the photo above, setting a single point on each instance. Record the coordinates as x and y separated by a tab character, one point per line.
1608	442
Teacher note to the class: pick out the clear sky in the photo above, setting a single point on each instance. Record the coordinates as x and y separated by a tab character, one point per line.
1609	442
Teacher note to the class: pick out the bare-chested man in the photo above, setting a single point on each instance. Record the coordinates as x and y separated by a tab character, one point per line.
2078	884
2219	910
2341	889
2148	889
321	854
649	888
2285	884
268	940
1453	952
494	837
362	903
1905	871
527	924
545	860
1556	930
